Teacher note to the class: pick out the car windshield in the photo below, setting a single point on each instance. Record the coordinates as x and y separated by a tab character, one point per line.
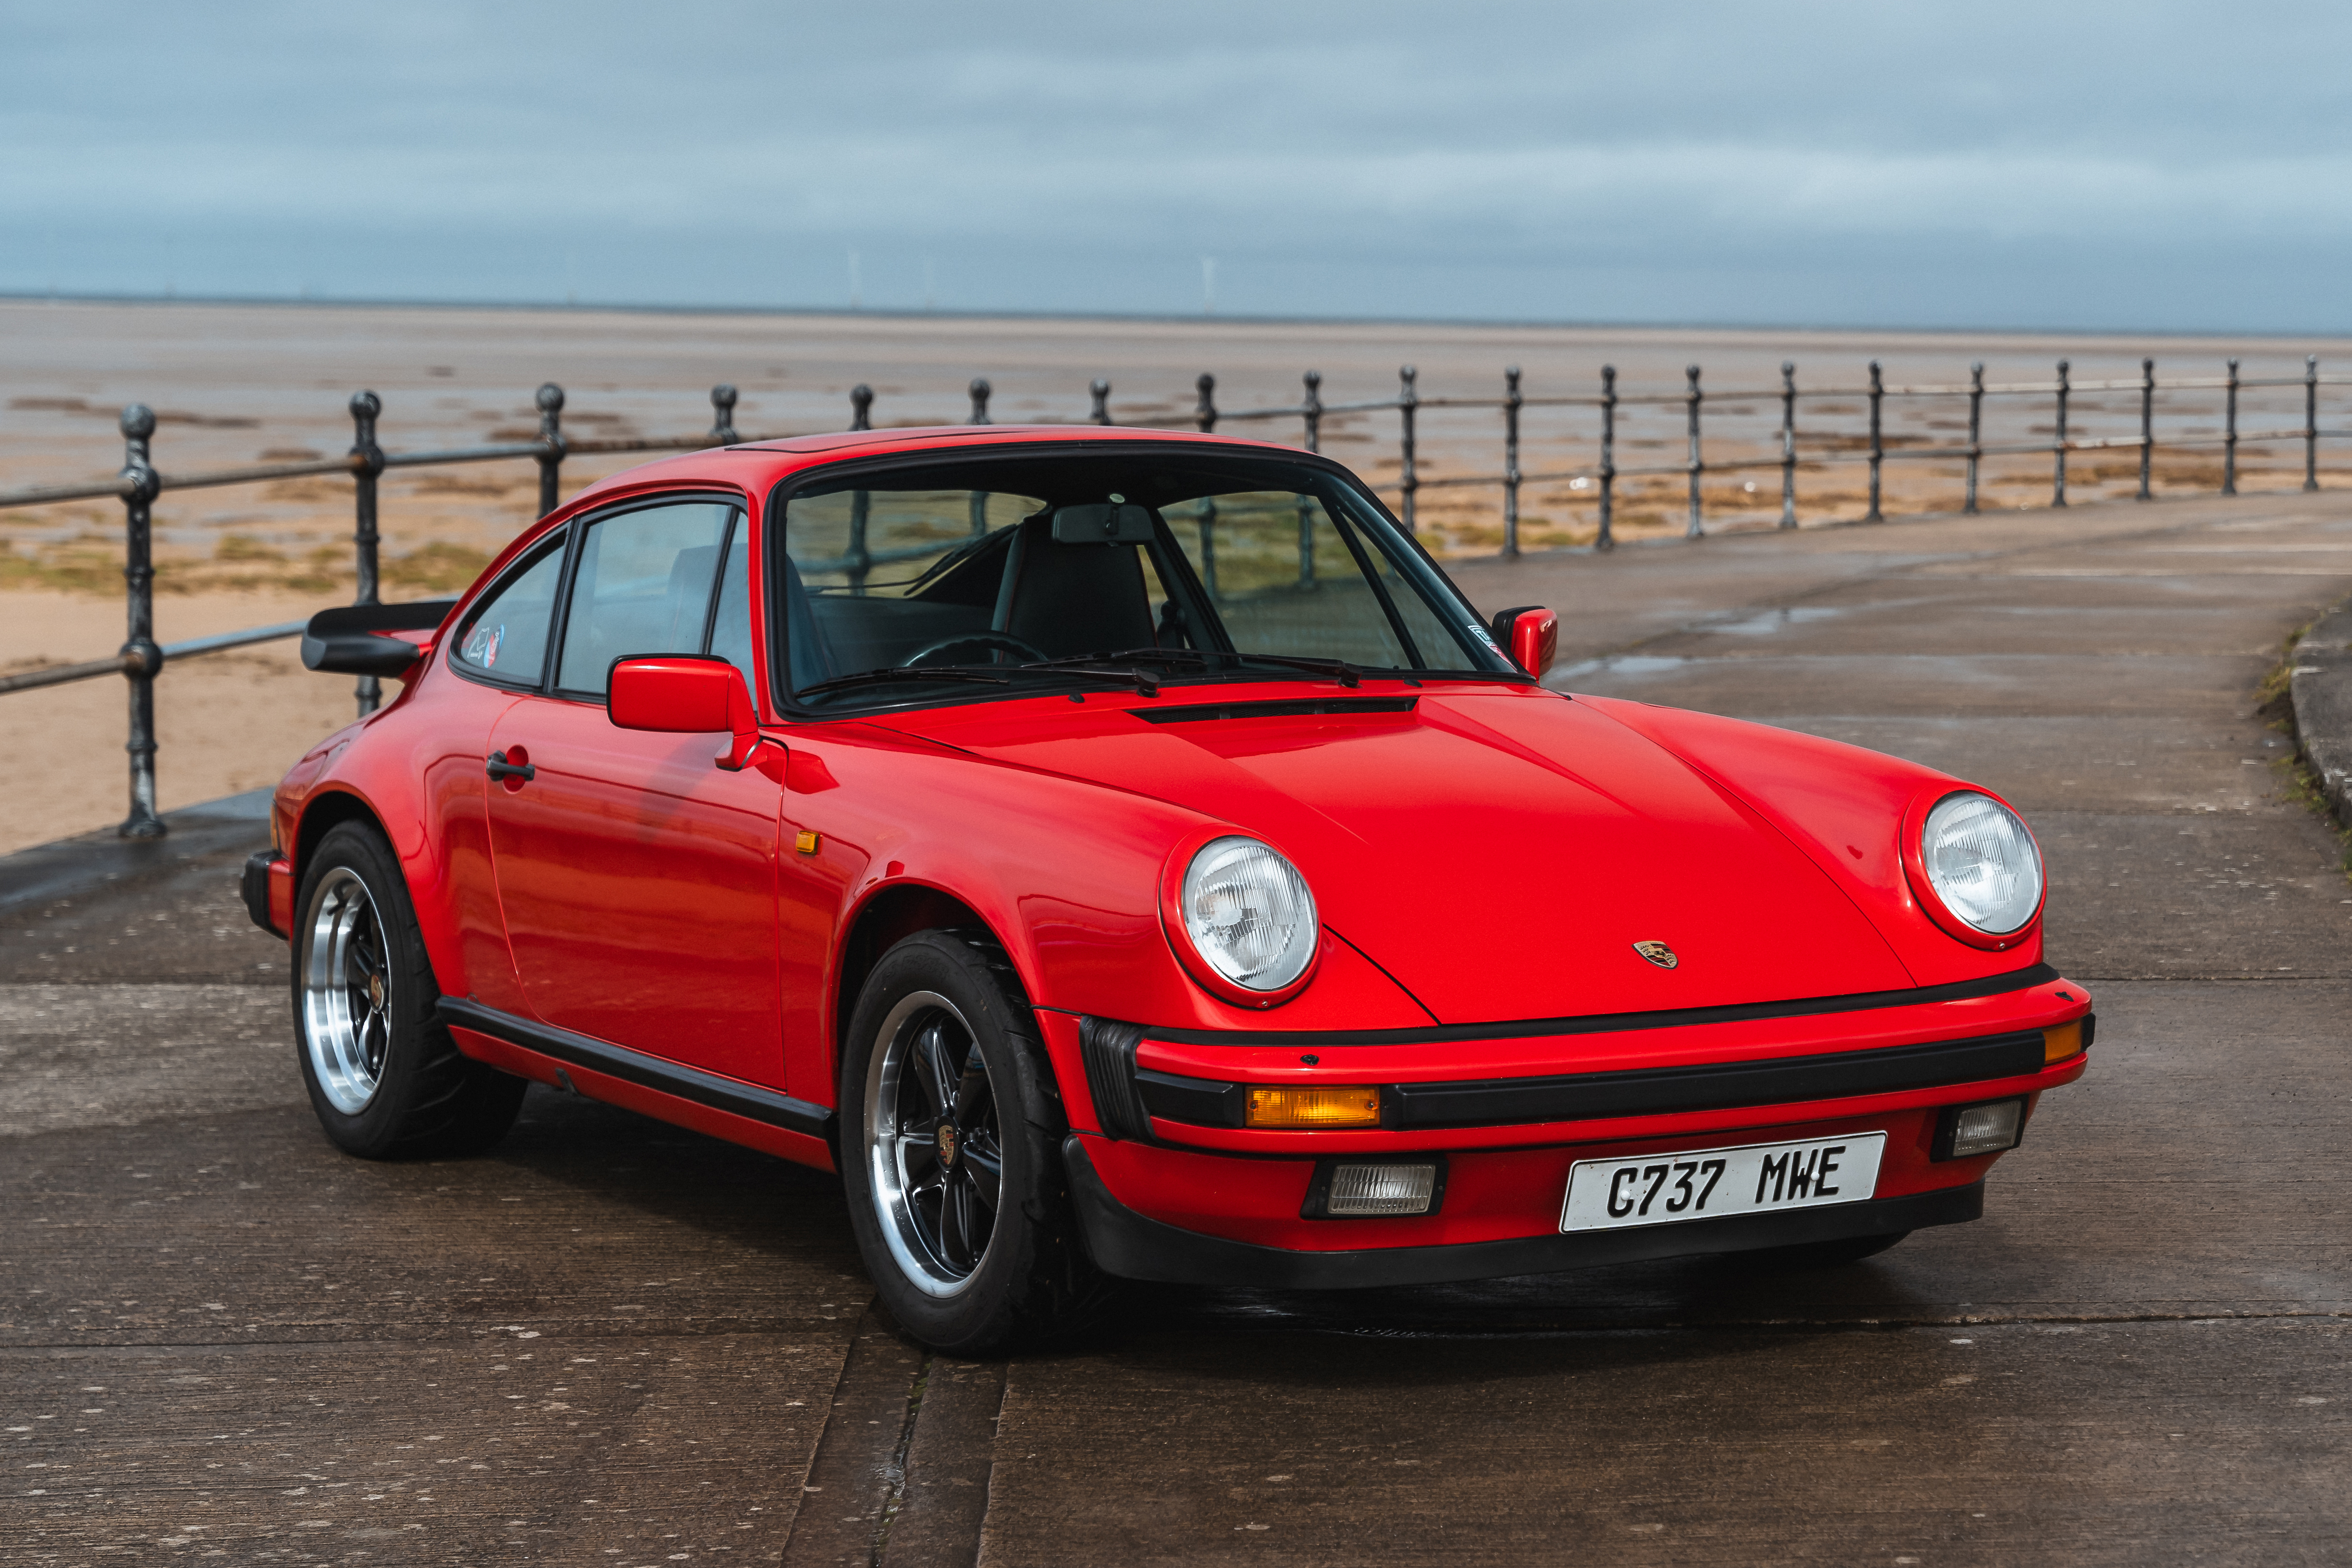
926	582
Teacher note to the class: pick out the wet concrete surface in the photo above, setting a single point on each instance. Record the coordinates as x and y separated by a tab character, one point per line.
614	1341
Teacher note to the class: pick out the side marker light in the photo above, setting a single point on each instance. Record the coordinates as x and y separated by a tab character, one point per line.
2066	1041
806	842
1346	1105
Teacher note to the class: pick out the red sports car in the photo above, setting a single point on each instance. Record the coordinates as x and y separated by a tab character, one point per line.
1125	855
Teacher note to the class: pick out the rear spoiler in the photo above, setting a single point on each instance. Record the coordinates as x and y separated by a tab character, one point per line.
348	640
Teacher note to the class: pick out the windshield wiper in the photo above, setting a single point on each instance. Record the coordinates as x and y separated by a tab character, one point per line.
902	672
1338	670
1090	669
1133	679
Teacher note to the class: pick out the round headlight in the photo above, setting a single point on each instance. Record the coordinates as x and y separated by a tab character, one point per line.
1249	913
1982	862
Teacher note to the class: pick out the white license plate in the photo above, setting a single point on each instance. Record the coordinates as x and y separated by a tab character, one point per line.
1708	1184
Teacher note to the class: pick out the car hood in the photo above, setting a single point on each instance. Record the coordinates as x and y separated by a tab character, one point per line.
1499	854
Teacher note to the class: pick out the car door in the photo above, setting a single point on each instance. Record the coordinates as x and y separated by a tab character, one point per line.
637	879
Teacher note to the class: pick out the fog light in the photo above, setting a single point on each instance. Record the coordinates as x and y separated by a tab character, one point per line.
1382	1189
1343	1105
1966	1130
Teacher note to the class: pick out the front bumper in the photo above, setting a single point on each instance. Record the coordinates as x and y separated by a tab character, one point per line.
1133	1246
1172	1184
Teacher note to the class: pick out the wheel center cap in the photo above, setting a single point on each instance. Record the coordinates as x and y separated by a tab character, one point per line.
945	1138
375	991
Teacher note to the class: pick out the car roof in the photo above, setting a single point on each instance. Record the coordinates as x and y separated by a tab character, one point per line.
743	464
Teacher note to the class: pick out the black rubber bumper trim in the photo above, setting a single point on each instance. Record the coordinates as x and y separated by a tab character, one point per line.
747	1100
254	887
1126	1244
1618	1023
1653	1091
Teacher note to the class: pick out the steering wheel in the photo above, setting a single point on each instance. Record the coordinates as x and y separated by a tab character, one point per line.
973	639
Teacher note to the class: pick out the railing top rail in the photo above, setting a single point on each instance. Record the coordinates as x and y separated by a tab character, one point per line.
354	463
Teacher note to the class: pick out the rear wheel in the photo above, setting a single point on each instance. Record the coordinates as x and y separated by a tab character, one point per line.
951	1155
383	1075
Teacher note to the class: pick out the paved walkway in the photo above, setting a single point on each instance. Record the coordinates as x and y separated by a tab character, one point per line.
616	1343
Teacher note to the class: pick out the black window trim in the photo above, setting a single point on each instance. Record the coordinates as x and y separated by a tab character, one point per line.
563	536
881	698
580	525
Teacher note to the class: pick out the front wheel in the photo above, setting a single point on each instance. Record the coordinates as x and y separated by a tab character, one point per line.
383	1075
949	1157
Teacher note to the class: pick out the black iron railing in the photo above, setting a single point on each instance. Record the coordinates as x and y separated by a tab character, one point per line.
140	483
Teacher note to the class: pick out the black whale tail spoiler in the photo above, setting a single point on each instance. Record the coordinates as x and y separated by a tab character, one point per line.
349	641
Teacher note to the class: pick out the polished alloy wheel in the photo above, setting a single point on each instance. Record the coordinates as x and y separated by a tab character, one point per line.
346	990
932	1143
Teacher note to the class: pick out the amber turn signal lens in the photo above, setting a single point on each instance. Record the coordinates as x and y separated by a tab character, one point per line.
2058	1044
1347	1105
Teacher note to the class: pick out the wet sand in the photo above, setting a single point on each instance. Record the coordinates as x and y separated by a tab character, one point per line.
237	385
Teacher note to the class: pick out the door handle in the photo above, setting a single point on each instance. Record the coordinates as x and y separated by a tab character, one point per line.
500	768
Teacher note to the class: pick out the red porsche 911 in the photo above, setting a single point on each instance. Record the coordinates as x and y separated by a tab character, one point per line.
1125	855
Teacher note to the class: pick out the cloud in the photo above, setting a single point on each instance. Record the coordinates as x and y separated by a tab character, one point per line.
1338	156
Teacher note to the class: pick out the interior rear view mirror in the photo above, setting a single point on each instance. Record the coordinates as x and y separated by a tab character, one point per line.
1104	522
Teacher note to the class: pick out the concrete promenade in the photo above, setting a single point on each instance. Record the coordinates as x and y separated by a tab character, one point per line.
616	1343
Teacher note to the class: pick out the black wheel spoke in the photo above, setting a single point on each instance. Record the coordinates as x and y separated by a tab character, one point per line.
985	1167
956	1246
973	1093
932	1070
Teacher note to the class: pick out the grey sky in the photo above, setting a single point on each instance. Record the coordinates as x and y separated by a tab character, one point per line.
2152	165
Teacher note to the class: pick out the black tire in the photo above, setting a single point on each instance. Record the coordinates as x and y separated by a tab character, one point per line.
384	1075
1836	1254
950	999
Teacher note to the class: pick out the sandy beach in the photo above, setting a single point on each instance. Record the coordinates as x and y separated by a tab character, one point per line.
236	384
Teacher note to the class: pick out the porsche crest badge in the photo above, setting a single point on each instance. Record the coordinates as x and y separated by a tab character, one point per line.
1657	952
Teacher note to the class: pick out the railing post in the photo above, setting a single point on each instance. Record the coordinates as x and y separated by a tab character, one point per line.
1787	443
1511	401
1310	412
2146	424
1205	417
980	390
1208	521
1101	390
551	443
861	407
1698	464
1976	433
1607	538
2058	443
2229	437
1877	446
2311	422
367	465
1409	481
722	415
142	659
